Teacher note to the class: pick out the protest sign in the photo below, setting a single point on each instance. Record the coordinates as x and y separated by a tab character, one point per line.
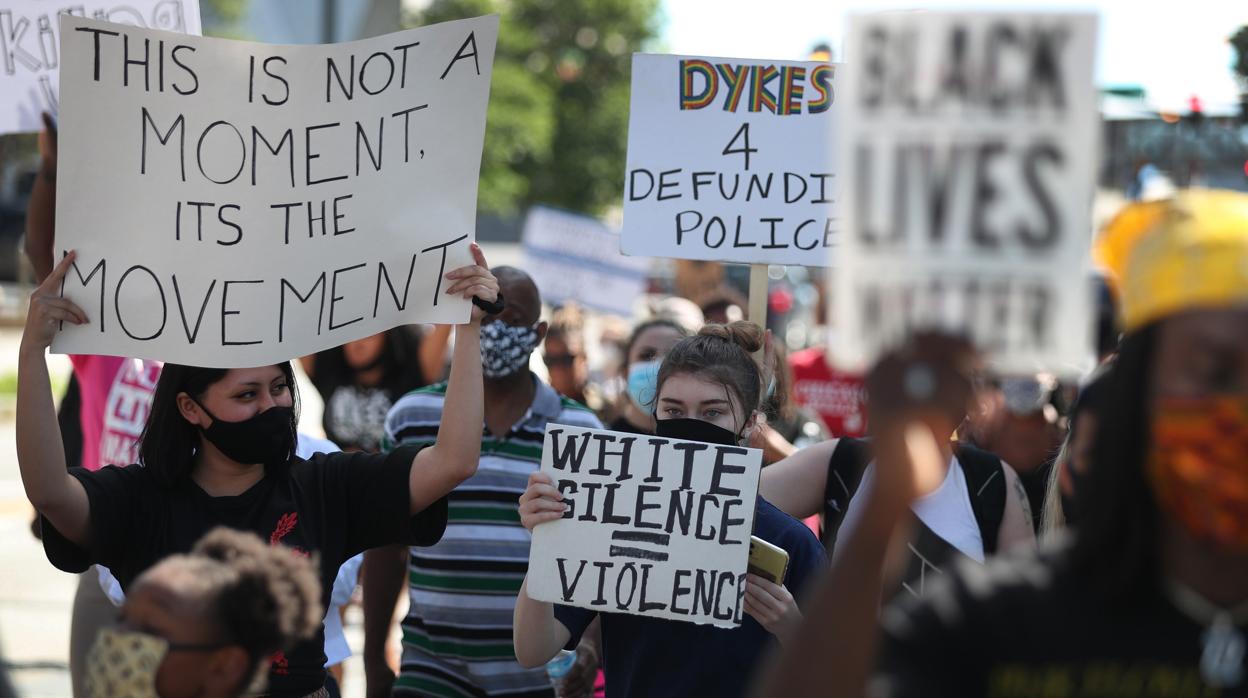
655	527
30	47
577	258
236	204
968	143
730	160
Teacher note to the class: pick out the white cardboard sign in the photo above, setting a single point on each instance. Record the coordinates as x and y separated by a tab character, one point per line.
731	160
969	147
30	47
656	527
237	204
572	257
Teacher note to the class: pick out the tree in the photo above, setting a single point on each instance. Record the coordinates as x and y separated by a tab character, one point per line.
1239	40
558	117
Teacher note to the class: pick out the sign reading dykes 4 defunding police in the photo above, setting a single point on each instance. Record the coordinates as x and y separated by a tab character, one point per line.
968	148
655	527
731	160
236	204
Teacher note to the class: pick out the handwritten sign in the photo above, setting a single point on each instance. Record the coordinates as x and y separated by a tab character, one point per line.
237	204
970	140
655	527
577	258
30	47
731	160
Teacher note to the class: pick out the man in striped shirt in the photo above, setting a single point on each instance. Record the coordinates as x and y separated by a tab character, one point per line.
457	634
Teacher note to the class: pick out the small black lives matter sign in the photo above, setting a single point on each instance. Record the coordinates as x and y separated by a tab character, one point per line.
655	527
967	157
236	204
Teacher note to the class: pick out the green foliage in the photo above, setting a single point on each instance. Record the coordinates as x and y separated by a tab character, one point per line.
558	117
223	18
1240	41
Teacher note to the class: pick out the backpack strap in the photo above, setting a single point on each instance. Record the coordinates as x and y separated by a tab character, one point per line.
985	481
845	468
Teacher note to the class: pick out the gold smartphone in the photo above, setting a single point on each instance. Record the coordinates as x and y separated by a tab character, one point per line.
768	561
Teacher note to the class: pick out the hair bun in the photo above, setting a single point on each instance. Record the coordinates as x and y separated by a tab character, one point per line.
746	335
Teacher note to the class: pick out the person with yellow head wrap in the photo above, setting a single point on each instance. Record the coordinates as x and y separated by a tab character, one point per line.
1148	594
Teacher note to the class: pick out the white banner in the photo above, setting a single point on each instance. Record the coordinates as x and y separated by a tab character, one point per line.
577	258
969	147
655	527
237	204
30	47
731	160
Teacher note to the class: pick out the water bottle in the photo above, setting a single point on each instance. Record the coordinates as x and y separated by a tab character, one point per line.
559	666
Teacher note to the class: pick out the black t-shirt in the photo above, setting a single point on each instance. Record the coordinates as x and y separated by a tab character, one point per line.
335	505
1018	628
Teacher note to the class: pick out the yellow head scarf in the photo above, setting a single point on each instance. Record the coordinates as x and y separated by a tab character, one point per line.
1190	251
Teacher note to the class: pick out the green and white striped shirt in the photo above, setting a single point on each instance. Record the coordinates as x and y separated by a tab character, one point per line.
457	634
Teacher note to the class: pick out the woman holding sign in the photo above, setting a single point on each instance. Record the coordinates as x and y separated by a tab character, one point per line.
709	390
218	450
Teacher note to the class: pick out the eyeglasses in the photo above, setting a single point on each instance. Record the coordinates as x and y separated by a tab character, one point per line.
559	360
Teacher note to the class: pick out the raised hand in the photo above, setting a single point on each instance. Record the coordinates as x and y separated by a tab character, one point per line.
48	309
474	280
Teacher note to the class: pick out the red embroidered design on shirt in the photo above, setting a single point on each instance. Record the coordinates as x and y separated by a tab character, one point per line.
285	525
281	667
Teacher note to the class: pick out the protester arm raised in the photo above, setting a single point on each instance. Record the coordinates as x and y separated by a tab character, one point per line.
41	207
40	451
454	456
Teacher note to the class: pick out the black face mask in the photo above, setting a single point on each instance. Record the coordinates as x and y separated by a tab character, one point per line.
695	430
267	437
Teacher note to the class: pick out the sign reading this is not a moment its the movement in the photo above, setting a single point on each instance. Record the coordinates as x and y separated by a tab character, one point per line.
236	204
731	160
969	143
30	47
654	527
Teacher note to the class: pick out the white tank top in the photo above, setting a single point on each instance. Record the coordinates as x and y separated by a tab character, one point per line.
947	511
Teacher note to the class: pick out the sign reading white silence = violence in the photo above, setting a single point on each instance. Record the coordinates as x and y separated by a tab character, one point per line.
731	160
237	204
968	143
30	47
576	258
654	527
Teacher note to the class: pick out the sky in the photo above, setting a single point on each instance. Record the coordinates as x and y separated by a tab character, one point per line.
1173	49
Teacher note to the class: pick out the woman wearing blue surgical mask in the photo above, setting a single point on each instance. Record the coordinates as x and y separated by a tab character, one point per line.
647	345
709	390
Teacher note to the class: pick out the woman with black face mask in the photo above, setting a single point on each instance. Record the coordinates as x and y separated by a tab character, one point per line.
709	390
218	450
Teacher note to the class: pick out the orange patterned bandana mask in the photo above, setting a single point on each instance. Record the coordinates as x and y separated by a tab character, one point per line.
1199	466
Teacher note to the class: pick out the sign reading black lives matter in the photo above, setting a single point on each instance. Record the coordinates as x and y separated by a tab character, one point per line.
654	527
969	146
730	160
236	204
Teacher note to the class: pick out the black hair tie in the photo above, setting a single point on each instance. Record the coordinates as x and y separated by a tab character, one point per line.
490	308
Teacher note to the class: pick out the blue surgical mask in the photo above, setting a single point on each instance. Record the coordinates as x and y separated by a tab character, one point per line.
643	384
